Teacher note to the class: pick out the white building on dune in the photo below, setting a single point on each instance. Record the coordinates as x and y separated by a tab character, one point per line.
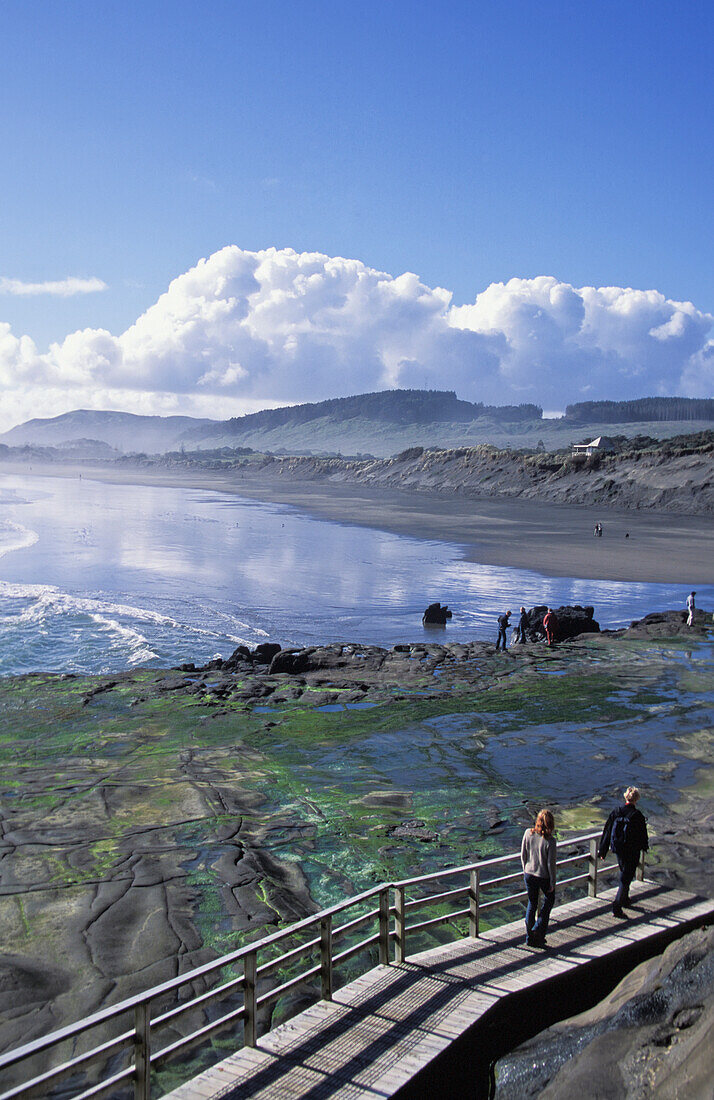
601	445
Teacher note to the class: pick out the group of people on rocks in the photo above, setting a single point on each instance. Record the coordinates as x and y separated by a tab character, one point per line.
550	626
624	833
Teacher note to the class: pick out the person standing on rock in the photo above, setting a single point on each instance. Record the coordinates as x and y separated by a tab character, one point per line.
503	625
625	833
690	608
523	625
538	851
550	625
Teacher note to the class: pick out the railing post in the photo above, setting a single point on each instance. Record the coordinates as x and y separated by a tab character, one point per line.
640	869
400	924
384	926
592	869
250	966
326	958
474	897
142	1051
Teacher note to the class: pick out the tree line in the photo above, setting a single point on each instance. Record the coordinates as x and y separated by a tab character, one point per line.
644	408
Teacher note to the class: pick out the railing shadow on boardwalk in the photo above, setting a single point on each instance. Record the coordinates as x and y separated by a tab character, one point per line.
442	978
72	1064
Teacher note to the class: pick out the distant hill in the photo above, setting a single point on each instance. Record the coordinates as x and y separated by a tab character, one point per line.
363	422
379	424
391	406
75	451
375	423
123	431
383	424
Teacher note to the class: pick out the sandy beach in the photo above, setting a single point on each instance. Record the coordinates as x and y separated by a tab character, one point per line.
551	539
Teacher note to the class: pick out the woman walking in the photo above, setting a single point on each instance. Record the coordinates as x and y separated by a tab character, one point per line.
538	859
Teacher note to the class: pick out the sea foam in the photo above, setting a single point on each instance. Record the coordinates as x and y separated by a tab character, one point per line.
13	536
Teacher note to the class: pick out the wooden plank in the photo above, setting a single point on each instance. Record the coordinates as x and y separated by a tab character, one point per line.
387	1025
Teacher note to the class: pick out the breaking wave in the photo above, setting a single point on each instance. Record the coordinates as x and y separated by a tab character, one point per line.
13	536
43	627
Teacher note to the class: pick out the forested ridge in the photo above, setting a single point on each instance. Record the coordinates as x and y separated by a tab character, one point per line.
392	406
642	409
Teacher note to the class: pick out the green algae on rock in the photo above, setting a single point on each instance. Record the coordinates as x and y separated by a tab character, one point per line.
153	819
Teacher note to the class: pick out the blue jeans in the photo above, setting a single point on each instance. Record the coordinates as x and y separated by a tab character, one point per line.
537	928
628	866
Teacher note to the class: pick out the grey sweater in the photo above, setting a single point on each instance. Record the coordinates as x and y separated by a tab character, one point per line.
538	856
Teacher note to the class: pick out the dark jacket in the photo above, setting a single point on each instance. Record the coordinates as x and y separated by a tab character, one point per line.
503	622
637	838
523	624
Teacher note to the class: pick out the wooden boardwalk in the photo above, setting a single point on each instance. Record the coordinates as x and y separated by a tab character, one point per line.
400	1021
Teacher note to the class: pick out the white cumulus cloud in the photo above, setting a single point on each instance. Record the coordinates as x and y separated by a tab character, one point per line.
243	329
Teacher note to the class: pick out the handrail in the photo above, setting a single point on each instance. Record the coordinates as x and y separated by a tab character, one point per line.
139	1037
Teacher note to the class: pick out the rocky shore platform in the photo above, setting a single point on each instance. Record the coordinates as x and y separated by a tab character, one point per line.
152	819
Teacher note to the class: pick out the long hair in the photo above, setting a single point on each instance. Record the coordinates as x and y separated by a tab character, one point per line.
544	824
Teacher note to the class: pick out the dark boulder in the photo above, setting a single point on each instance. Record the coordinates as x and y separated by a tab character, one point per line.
651	1036
263	654
291	661
237	657
328	657
572	620
436	615
668	624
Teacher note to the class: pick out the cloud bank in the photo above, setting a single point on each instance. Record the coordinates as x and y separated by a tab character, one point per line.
242	330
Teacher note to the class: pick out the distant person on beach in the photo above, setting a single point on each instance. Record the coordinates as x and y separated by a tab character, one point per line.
538	860
598	530
690	608
550	625
625	833
522	628
503	625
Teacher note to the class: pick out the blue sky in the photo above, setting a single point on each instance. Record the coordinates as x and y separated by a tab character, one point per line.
469	143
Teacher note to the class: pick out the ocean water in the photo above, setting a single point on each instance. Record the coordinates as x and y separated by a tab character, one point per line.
97	577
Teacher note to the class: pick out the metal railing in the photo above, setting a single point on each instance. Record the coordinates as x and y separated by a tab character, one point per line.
258	985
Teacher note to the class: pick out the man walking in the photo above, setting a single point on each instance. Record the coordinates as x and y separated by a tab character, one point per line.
503	625
625	833
690	608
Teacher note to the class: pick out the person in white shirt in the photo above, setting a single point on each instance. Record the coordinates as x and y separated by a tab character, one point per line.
690	608
538	851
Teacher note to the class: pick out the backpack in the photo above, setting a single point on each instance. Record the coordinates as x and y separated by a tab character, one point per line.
621	835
